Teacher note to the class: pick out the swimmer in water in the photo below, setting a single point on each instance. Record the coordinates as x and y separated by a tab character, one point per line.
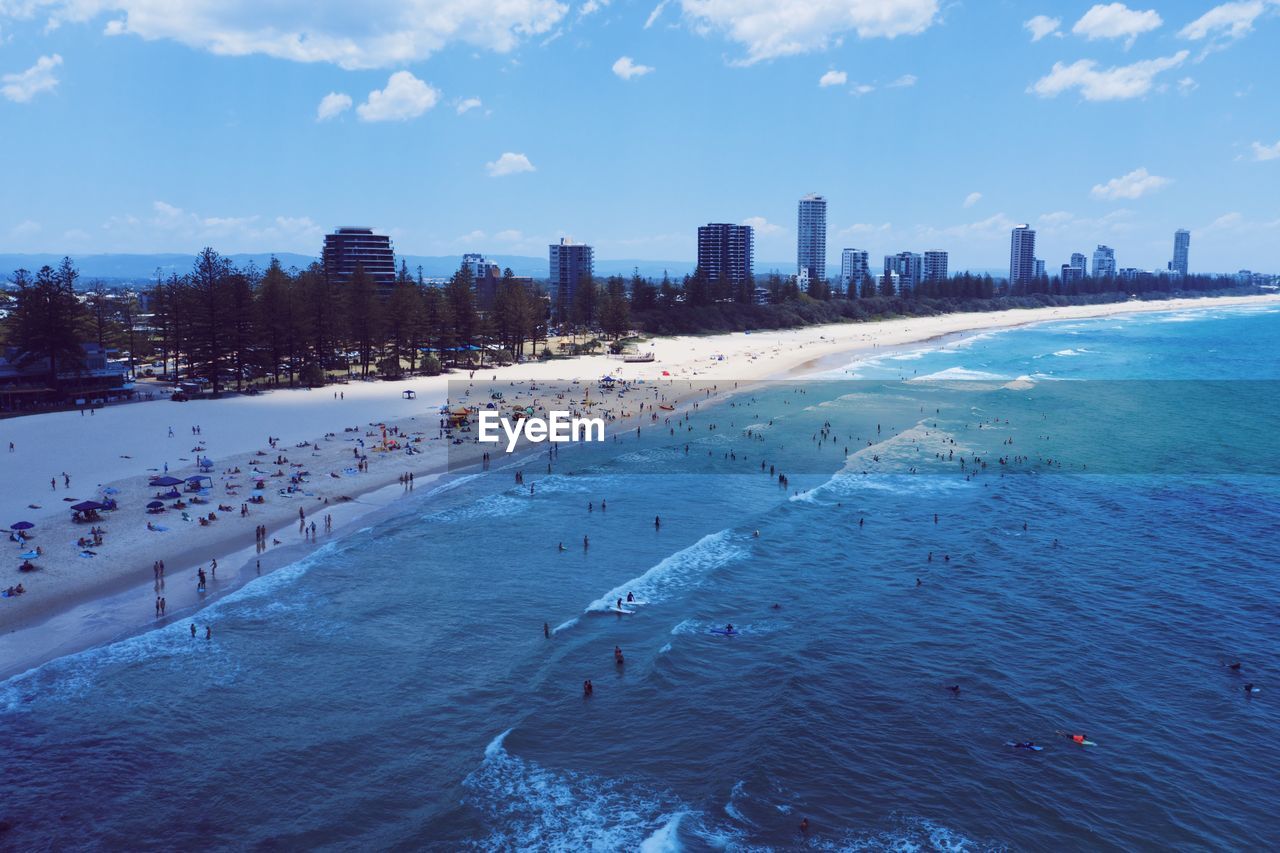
631	596
562	548
954	688
546	630
657	522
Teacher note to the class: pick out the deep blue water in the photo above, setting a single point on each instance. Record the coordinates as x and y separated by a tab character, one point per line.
395	690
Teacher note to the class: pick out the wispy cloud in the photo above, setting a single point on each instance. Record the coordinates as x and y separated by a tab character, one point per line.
1134	185
22	86
1266	152
1041	26
903	82
333	105
1109	84
762	226
972	198
467	104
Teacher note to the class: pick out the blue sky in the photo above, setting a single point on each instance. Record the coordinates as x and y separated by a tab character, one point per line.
501	125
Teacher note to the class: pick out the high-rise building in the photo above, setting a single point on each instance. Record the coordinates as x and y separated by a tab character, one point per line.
811	237
853	267
571	264
1080	262
726	252
348	248
1039	268
935	266
909	266
480	266
1022	255
1181	245
1104	262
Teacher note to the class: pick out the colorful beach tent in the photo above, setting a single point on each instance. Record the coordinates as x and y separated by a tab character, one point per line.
86	506
166	481
21	525
155	505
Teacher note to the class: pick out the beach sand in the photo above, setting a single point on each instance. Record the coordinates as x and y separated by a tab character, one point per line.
74	602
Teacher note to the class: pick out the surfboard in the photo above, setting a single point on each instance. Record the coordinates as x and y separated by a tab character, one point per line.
636	603
724	633
622	610
1011	744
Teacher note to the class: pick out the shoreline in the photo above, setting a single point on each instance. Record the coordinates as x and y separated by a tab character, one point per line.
93	614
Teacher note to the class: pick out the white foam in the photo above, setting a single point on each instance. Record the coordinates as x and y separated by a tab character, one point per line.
958	374
683	569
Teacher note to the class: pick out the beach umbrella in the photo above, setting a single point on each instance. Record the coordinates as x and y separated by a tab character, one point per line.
86	506
166	481
21	525
155	505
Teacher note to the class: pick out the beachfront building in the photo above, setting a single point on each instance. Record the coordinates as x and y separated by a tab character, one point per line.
349	248
854	267
570	264
1080	262
935	266
811	237
485	276
1104	262
726	252
93	379
1022	255
909	268
1181	247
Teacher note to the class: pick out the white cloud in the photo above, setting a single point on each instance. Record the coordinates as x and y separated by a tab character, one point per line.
172	228
863	228
508	164
770	29
591	7
22	86
511	235
762	226
404	97
657	11
1041	26
626	68
1116	20
903	82
380	34
1266	152
467	104
332	105
833	78
1187	85
861	89
25	230
1136	184
972	198
1229	21
1111	84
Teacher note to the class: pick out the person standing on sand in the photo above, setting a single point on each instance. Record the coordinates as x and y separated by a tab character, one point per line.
208	632
164	605
193	630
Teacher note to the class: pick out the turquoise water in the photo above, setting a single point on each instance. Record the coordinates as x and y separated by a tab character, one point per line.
395	689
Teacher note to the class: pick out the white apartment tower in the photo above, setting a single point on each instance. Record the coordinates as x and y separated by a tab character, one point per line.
811	237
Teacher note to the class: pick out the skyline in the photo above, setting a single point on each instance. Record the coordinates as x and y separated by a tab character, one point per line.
939	129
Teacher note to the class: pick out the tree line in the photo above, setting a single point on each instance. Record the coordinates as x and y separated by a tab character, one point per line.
229	325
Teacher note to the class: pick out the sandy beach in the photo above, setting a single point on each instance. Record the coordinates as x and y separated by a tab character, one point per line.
82	595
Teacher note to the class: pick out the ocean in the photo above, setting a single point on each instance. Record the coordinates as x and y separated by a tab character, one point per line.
1108	545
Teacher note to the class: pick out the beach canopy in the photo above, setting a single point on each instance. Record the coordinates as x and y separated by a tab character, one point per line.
87	506
21	525
166	481
155	505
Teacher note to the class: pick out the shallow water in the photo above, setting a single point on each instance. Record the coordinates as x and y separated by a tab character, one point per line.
395	690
